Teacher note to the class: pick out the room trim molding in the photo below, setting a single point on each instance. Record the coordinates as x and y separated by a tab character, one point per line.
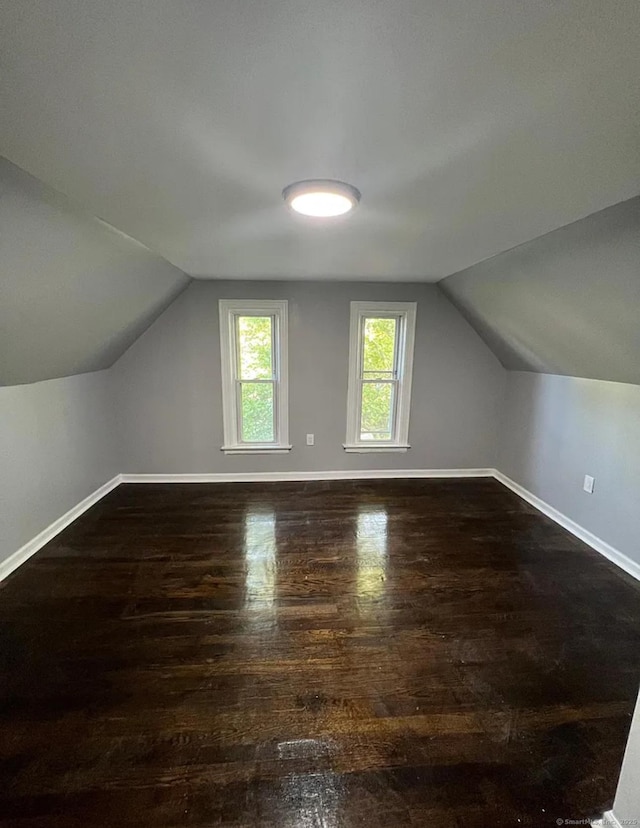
611	553
31	547
607	820
16	559
301	476
19	557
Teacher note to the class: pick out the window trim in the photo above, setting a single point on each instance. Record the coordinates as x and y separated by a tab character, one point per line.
406	311
228	310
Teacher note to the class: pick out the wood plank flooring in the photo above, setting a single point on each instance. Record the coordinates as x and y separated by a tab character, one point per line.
388	653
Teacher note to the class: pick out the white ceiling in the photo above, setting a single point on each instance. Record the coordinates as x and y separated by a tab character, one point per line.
74	292
565	303
470	126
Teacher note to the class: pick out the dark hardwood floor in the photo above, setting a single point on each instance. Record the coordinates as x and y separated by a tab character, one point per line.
421	653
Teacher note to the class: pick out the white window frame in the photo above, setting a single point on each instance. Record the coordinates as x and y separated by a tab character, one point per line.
230	309
405	313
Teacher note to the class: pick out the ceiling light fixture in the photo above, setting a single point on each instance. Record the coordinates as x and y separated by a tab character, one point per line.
321	198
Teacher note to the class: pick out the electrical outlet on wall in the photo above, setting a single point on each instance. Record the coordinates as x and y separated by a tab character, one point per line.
589	483
311	439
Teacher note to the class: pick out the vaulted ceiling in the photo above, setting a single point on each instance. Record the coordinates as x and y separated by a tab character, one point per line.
74	292
470	126
565	303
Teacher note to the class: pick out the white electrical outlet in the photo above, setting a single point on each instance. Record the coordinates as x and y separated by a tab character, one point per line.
311	439
589	483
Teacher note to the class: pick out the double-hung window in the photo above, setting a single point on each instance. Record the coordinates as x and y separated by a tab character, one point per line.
253	347
380	368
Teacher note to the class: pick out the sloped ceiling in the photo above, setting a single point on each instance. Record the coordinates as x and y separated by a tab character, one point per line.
566	303
74	292
469	126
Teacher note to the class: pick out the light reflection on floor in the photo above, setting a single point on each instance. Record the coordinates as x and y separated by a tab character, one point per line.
260	559
312	800
371	548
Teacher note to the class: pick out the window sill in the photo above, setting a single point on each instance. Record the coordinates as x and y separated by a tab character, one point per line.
256	449
363	449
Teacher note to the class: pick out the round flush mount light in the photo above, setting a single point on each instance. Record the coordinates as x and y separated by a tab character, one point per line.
321	197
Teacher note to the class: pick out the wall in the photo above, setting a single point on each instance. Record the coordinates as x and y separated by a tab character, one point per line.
58	445
626	807
557	429
170	412
565	303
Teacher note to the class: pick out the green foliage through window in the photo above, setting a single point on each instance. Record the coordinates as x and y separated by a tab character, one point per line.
378	354
255	347
378	375
257	412
255	358
377	410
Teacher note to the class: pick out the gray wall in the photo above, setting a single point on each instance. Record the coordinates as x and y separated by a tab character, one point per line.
565	303
627	801
58	445
557	429
74	292
170	410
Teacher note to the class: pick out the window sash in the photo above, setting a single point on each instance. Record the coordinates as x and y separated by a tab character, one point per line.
231	312
393	422
240	413
238	349
394	379
239	380
399	331
399	376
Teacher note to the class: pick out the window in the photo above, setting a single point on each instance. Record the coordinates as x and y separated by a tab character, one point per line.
380	365
253	347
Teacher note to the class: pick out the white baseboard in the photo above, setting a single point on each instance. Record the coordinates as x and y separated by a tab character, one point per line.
609	552
31	547
614	555
280	477
25	552
607	820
